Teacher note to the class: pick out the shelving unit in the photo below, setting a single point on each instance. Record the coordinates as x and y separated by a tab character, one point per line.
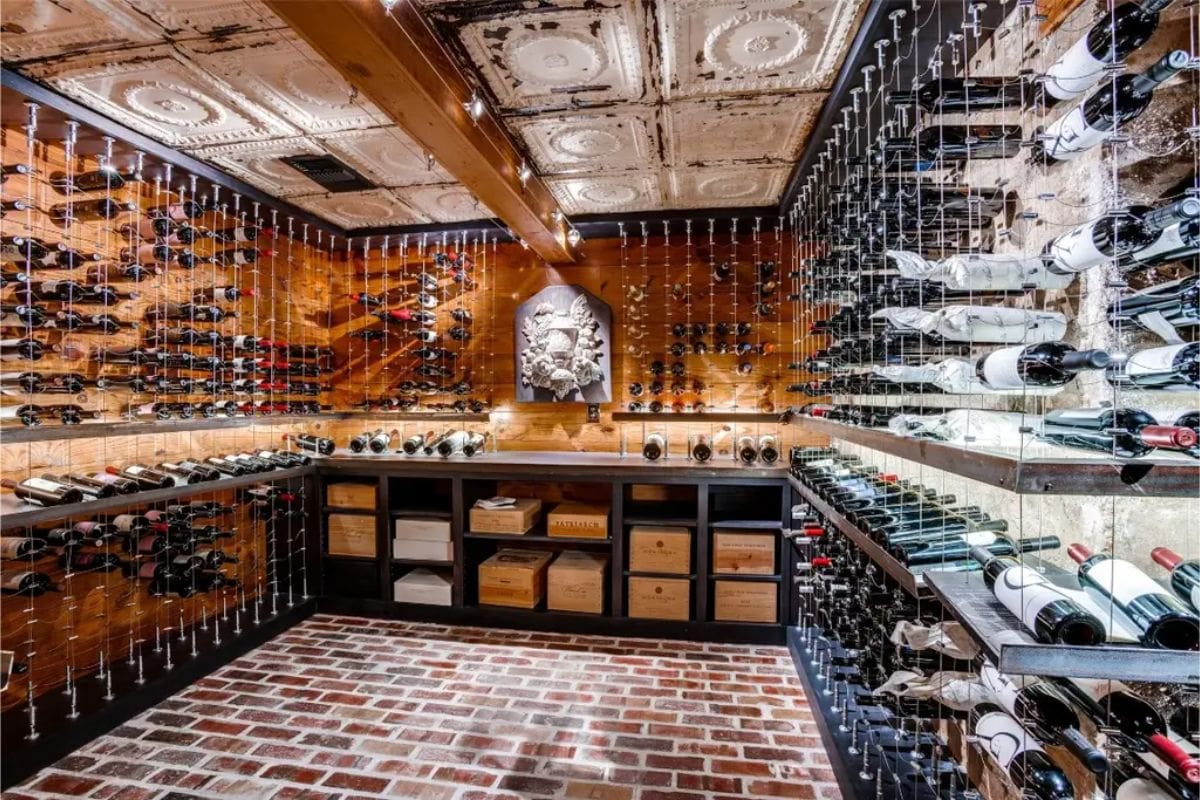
1015	652
1159	476
14	514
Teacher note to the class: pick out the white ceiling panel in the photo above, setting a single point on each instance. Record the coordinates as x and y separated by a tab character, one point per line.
450	202
731	186
59	29
607	194
552	59
258	163
620	139
714	47
372	208
212	19
765	128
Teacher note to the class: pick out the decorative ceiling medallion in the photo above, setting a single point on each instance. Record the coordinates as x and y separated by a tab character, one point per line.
553	58
161	94
39	29
283	73
214	20
258	163
754	46
755	42
714	187
450	202
614	140
350	210
385	154
596	194
760	130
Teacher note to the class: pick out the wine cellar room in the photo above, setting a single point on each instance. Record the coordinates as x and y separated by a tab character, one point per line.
600	399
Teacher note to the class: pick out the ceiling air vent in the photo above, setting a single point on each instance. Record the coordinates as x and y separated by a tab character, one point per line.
333	175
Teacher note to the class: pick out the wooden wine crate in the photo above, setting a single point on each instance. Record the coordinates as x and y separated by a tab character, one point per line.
351	535
516	519
745	601
514	578
737	553
576	582
660	549
351	495
578	520
659	598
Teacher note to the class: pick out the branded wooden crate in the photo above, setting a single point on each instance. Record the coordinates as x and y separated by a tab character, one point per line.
351	535
745	601
660	549
516	519
514	578
576	582
659	598
351	495
578	520
739	553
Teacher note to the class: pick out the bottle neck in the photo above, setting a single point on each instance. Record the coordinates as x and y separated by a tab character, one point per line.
1162	70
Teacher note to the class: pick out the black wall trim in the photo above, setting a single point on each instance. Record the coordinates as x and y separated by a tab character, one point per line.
59	736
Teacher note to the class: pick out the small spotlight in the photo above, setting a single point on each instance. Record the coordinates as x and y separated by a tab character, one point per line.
524	244
556	215
573	237
475	106
388	5
524	173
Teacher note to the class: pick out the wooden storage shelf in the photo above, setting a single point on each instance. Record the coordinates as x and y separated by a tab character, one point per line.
355	559
744	417
537	537
15	514
420	562
1159	476
659	575
362	512
420	513
89	430
721	576
747	524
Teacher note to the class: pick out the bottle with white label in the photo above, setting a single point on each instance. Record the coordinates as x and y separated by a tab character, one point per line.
1165	621
1115	103
1046	610
1112	236
43	492
1113	37
747	450
1120	432
1020	755
1042	364
1174	368
1174	243
654	446
22	581
1185	575
1163	307
1046	710
451	444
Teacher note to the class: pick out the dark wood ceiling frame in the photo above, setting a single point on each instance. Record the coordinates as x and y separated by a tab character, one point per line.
397	61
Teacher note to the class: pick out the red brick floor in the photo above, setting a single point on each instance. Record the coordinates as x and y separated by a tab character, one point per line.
341	707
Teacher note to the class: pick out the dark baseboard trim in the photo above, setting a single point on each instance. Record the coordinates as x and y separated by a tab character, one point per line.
59	736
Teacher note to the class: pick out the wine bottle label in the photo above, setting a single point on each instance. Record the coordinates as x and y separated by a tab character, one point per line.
1154	367
1001	368
1004	738
1120	580
1076	251
980	538
124	522
1117	627
11	579
1070	136
1074	73
1170	240
42	484
1025	593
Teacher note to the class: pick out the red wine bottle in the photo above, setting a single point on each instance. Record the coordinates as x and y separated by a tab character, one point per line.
960	95
1185	575
1112	236
1120	432
26	582
1174	368
1132	722
91	487
217	293
1020	755
1164	620
147	478
17	547
307	441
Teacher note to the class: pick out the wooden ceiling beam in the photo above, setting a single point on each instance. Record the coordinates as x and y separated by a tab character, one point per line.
396	60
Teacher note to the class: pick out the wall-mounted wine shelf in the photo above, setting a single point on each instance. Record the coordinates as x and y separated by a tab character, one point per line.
1148	477
418	416
741	417
15	514
90	430
1015	652
902	575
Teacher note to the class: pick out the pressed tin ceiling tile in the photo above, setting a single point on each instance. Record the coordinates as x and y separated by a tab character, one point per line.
374	207
614	139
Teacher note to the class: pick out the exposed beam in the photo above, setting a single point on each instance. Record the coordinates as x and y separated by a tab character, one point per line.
396	60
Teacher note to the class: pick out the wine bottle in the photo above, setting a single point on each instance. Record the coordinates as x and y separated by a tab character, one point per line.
1019	754
217	293
1043	608
1113	236
1185	575
1165	621
1174	243
414	444
937	144
307	441
1163	307
1132	722
22	349
79	561
1113	37
14	547
91	488
1042	364
1117	102
1044	707
747	450
960	95
26	582
90	210
1120	432
654	446
43	492
451	443
474	444
177	212
105	177
147	478
768	449
1174	368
